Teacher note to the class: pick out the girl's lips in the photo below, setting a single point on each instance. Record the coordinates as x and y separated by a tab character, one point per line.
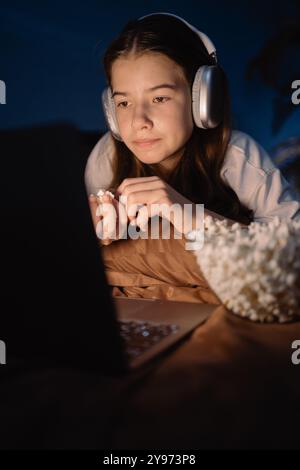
147	143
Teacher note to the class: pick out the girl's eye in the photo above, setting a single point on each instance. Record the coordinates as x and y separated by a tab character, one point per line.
160	98
120	104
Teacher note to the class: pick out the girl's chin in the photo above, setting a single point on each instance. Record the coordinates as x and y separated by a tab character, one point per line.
149	161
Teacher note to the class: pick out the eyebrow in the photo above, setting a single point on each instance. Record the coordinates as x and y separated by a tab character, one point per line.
162	85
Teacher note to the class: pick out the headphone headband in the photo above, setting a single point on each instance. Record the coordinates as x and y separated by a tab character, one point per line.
204	38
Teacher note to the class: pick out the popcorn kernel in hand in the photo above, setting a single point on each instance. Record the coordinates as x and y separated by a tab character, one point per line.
102	192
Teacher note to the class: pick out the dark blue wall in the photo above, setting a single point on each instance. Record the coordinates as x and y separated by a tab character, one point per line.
50	58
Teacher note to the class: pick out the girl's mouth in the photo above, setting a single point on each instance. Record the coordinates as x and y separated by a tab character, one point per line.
146	143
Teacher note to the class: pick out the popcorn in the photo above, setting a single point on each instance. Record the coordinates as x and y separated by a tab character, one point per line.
254	270
113	224
101	193
108	230
140	209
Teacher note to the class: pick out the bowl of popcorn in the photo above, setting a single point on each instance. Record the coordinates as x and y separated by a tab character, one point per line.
255	271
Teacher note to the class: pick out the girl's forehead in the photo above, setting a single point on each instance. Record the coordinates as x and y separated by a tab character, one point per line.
145	56
147	63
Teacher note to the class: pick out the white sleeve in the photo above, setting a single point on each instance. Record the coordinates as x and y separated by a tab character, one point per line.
98	171
275	197
257	181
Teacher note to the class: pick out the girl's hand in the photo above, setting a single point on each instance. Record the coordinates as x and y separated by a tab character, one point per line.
109	218
150	190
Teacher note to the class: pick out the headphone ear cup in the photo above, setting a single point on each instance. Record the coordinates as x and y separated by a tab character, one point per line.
109	113
208	97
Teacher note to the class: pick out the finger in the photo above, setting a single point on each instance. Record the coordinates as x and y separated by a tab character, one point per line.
158	187
143	218
99	210
101	234
99	229
93	209
106	242
115	193
133	201
109	212
122	220
131	209
114	219
119	221
129	181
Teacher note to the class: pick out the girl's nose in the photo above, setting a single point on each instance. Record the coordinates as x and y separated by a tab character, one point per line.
141	118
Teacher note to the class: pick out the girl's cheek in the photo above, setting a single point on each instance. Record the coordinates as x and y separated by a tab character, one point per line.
124	122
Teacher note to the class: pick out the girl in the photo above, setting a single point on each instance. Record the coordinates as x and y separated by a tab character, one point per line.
171	139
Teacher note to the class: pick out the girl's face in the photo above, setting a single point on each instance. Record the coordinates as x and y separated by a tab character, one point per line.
147	110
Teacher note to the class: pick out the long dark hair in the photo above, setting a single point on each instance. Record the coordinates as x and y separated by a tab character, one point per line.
197	174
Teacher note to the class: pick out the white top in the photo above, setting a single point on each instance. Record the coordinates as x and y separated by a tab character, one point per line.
247	168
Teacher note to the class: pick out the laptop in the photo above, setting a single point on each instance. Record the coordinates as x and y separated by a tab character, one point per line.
57	308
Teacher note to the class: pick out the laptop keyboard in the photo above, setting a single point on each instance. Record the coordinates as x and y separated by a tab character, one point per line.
142	335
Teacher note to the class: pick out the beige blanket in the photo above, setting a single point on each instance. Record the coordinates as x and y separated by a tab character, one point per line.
160	268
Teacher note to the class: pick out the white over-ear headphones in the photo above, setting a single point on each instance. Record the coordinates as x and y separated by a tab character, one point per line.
207	90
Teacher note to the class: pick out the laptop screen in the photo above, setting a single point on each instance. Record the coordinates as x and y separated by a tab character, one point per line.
56	304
